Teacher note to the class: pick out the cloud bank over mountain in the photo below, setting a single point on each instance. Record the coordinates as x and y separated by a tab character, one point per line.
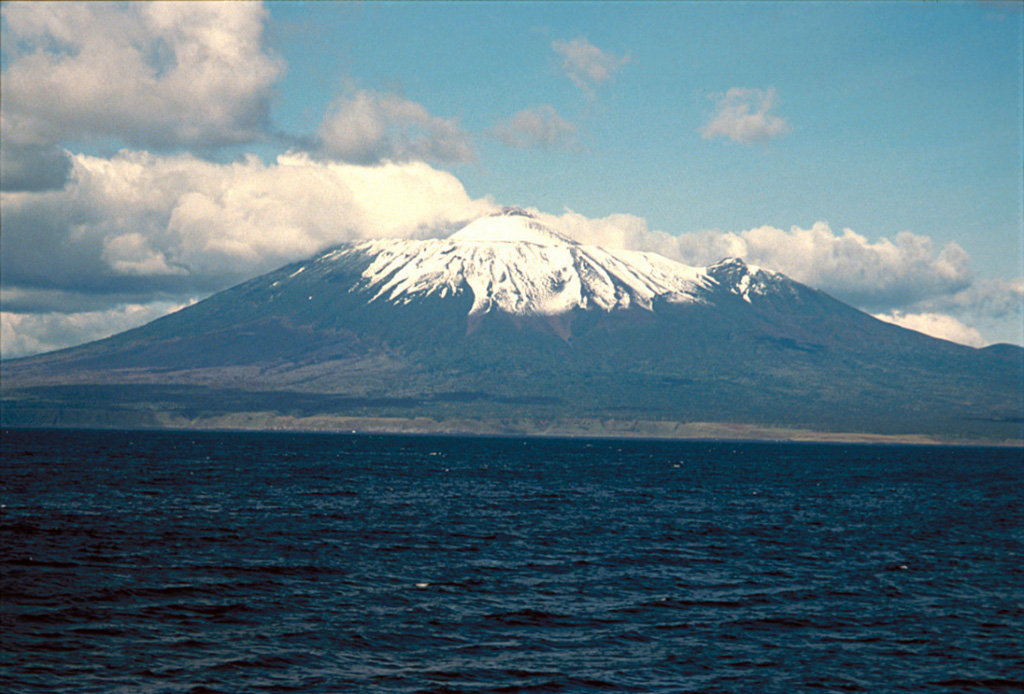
141	223
936	325
131	183
32	333
141	227
906	279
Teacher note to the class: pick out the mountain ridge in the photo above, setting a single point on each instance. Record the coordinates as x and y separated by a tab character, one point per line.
504	321
512	263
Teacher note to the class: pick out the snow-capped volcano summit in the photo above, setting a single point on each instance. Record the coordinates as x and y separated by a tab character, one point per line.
513	263
510	225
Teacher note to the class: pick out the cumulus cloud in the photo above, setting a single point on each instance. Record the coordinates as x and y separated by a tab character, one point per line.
905	279
139	224
539	127
937	325
369	127
131	237
138	229
33	167
149	74
876	275
586	64
993	306
994	298
744	115
132	254
881	273
22	334
149	230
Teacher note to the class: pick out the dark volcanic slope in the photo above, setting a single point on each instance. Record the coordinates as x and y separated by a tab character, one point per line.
742	345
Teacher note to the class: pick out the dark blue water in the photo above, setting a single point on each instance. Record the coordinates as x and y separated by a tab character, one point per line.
184	562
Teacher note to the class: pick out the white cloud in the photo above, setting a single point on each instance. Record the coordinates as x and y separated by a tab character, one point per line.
994	306
131	254
614	231
586	64
905	278
369	127
151	74
132	237
22	334
877	275
885	272
538	127
140	223
995	298
937	325
744	115
139	227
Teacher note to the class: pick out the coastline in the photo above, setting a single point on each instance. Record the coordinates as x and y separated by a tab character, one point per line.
526	427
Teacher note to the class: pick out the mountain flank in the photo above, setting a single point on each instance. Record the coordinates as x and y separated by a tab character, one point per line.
508	327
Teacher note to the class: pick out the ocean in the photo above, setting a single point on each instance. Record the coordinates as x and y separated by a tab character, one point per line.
264	562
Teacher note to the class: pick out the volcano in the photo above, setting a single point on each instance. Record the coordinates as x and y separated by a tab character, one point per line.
507	326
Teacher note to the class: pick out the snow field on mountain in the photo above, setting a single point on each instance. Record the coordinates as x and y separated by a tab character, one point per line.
514	264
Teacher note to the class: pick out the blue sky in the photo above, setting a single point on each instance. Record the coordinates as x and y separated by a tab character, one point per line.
904	116
763	129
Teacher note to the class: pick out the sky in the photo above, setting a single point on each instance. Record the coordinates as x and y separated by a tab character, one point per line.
155	153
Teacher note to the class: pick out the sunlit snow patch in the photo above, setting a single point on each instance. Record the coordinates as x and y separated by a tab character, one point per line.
513	263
